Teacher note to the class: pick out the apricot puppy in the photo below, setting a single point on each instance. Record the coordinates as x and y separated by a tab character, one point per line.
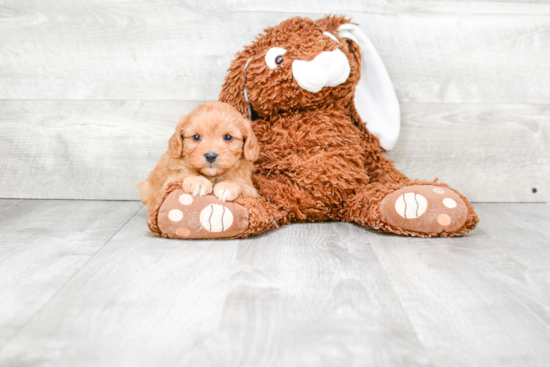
213	149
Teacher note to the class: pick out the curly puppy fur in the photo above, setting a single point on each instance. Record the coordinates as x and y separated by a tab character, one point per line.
212	128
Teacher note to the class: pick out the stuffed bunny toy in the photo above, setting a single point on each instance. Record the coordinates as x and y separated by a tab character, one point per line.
324	110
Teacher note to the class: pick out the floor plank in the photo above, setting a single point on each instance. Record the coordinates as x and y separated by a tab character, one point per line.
483	299
43	243
304	295
320	294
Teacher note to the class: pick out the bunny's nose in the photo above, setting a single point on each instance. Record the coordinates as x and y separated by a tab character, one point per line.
328	69
324	60
211	156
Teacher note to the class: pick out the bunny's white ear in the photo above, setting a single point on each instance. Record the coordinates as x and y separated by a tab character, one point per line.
375	98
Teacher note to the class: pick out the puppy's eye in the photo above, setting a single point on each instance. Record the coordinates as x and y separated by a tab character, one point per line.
274	57
227	137
196	137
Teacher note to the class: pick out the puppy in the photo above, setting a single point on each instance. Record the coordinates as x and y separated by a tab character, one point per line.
213	149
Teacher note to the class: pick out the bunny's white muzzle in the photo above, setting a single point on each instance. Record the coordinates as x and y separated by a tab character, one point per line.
328	69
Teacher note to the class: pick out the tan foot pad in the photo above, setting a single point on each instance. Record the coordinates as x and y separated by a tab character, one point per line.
425	209
184	216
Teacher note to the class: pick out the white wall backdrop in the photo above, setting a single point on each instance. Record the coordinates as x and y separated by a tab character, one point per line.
90	91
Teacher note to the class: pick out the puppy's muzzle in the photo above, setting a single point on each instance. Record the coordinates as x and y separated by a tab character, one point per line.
211	156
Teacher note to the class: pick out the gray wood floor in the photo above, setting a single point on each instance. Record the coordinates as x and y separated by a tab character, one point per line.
84	283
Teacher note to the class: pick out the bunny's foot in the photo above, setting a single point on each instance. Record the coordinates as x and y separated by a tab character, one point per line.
423	209
181	215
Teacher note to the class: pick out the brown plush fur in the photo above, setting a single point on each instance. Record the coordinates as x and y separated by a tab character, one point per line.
229	176
317	160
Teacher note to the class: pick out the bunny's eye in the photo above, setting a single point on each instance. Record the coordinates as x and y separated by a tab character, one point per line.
274	57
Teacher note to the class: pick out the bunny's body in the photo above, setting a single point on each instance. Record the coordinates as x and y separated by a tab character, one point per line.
323	110
302	151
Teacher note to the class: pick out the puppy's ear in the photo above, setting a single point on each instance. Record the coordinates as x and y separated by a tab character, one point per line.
175	144
251	147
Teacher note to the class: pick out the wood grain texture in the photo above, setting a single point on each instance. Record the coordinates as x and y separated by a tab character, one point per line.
320	294
445	51
42	245
304	295
479	300
490	153
102	149
83	149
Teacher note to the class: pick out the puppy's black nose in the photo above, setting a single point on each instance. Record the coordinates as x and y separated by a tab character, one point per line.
211	156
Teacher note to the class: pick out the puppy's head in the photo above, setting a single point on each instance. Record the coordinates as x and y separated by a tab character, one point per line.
214	137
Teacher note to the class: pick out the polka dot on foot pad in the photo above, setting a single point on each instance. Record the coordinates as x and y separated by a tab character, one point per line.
186	199
449	203
175	215
444	219
183	232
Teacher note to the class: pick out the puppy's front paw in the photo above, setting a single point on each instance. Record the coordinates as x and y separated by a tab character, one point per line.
227	191
197	185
